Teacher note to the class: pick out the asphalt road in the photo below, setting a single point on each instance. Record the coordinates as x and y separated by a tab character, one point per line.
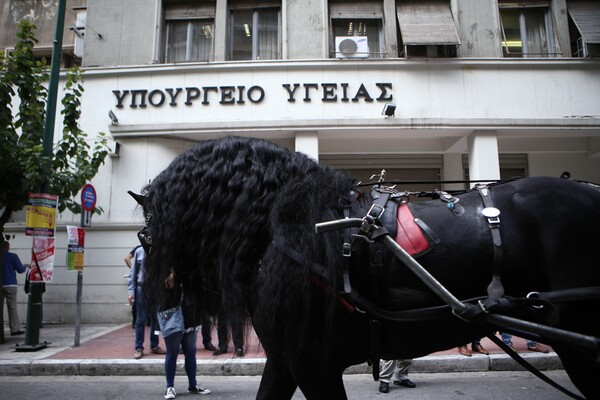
451	386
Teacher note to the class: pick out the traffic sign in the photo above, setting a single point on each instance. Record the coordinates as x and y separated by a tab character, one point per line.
88	197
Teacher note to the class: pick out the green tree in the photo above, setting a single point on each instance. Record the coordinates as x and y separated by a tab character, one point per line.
23	166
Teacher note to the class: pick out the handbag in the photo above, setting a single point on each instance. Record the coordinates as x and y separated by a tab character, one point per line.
171	321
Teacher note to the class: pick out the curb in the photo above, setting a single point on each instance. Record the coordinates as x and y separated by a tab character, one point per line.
255	366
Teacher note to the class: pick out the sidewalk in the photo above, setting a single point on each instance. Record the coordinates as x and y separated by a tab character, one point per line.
108	350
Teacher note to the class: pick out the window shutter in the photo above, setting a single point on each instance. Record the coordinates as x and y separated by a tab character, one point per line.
356	11
427	22
189	11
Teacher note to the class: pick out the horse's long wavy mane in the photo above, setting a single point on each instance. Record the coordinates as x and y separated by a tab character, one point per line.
217	208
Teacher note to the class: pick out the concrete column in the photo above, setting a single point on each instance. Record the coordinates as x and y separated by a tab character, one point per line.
221	24
390	28
483	155
308	143
452	170
304	26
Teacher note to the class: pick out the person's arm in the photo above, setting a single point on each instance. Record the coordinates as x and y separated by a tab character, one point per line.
128	259
131	282
19	267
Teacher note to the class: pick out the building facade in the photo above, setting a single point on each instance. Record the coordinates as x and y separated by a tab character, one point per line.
426	89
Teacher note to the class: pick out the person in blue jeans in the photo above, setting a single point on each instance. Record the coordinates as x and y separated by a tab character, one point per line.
532	345
186	341
135	283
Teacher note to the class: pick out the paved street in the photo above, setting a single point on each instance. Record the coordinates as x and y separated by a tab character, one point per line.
447	386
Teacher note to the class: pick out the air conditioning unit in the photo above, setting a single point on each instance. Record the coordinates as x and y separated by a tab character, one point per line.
351	47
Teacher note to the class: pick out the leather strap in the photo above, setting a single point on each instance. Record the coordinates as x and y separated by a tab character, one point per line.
375	346
495	289
522	362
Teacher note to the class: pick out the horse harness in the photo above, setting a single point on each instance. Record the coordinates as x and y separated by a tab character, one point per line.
375	226
414	236
482	310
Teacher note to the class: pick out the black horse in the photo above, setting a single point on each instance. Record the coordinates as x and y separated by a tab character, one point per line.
235	218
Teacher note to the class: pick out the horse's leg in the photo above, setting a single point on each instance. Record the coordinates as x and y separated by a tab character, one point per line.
322	386
583	368
277	382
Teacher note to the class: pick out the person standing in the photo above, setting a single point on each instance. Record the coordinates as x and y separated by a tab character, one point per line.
475	346
399	370
532	345
186	341
128	261
237	335
135	283
206	333
11	265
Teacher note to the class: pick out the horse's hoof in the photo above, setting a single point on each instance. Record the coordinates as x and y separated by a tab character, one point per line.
384	387
239	352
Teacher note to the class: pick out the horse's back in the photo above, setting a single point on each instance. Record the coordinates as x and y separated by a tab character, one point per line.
549	230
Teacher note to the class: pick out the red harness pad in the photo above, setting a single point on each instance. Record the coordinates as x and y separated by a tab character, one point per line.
409	235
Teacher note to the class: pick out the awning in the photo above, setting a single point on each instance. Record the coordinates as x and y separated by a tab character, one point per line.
586	15
427	22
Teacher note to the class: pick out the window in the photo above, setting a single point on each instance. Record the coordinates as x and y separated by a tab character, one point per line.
255	34
527	29
79	31
427	29
189	32
357	30
189	41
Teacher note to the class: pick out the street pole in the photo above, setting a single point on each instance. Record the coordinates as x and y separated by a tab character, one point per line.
53	84
78	309
34	304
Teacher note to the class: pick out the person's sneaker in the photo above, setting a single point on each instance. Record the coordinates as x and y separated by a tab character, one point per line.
157	350
198	390
139	353
170	393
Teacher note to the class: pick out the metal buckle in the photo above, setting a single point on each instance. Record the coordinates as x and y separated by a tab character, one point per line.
494	222
482	307
346	249
372	210
534	295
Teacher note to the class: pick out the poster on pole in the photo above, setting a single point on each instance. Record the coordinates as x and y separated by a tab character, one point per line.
42	258
75	248
41	214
